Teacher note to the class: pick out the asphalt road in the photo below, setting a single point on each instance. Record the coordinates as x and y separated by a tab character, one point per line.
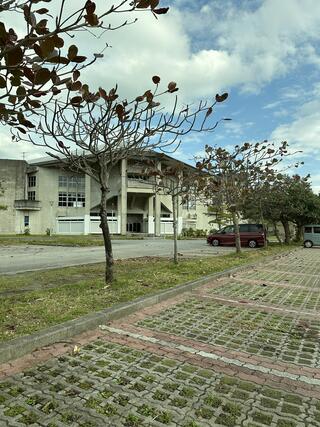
16	259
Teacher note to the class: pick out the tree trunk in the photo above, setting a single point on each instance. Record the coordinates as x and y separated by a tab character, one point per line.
299	233
286	232
237	231
106	236
175	231
276	232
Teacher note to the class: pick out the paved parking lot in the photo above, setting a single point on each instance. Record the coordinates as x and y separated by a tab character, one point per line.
240	351
14	259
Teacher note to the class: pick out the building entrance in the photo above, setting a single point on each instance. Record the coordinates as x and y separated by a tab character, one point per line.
134	223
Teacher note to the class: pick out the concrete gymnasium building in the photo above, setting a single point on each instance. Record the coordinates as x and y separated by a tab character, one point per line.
42	196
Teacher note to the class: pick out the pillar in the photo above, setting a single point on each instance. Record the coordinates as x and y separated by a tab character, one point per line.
123	198
87	208
150	215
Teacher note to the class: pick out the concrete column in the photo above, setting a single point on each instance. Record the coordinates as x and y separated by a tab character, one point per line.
87	204
119	213
123	198
157	215
157	210
150	215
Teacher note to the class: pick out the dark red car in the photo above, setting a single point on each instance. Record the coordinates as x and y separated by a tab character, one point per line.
251	235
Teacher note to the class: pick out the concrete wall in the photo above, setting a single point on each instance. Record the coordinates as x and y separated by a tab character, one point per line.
12	178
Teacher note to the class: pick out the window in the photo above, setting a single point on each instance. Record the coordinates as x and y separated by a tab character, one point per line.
74	200
308	229
256	228
32	181
244	228
26	221
228	229
316	230
31	195
189	202
63	181
72	182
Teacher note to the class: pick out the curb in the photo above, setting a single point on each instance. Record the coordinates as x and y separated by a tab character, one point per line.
21	346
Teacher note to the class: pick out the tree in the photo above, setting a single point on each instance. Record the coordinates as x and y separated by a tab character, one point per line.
37	66
94	137
180	182
233	174
288	199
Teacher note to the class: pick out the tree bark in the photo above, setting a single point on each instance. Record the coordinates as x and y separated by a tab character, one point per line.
276	232
106	236
286	228
175	231
299	233
237	231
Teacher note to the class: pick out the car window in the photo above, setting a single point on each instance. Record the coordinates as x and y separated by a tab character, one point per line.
244	228
255	228
316	230
308	229
229	229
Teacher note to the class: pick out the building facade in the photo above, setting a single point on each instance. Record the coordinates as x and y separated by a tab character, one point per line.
42	197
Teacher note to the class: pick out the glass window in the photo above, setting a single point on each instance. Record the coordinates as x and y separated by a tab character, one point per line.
74	200
229	229
31	195
316	230
63	181
255	227
244	228
32	181
308	229
26	221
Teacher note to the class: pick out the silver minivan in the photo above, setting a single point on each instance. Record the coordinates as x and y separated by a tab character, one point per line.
311	235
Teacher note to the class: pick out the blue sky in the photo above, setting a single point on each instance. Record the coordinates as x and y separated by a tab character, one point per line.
264	53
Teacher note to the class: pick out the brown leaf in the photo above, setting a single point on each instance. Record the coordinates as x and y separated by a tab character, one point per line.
42	76
38	50
154	3
120	111
2	82
156	80
34	103
72	52
221	98
47	46
76	75
172	86
143	4
148	95
76	100
41	11
76	86
58	41
21	92
161	11
14	56
79	59
92	20
209	112
28	74
90	7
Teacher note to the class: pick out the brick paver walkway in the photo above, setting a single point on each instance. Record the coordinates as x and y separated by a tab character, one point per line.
241	351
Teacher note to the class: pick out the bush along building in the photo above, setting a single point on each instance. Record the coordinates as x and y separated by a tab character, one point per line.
43	197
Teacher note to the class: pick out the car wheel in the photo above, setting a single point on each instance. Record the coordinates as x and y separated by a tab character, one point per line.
215	242
308	244
252	244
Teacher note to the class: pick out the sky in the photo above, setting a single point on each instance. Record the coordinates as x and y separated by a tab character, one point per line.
264	53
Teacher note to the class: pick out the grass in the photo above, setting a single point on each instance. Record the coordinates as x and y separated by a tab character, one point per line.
68	293
58	240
